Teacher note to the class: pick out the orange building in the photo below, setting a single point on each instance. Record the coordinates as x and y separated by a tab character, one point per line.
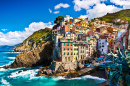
67	27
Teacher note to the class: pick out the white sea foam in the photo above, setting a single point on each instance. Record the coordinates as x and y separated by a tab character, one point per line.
93	77
11	57
31	73
12	52
5	83
78	78
2	69
58	78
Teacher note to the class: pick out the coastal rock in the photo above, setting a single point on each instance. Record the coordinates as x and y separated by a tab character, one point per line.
40	56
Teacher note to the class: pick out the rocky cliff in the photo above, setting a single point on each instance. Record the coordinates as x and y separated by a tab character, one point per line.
36	50
37	57
35	40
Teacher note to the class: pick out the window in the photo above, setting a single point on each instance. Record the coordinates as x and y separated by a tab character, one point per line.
81	51
71	44
64	53
77	53
66	59
64	43
102	49
71	53
74	53
68	48
68	44
81	47
64	48
81	56
102	45
68	53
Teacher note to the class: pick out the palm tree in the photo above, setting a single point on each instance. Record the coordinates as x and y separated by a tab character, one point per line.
122	68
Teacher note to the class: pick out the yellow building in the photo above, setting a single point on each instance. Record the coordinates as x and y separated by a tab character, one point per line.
75	51
84	23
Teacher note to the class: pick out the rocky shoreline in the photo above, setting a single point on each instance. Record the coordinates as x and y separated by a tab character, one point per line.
46	71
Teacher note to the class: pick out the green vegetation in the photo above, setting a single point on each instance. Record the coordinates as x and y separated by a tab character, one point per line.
57	21
44	34
123	14
121	73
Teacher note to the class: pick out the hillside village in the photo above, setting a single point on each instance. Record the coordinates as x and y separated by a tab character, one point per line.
81	40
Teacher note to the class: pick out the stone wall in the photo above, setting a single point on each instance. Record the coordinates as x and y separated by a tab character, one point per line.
66	65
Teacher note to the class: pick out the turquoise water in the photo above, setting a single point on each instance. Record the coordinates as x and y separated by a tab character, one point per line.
11	77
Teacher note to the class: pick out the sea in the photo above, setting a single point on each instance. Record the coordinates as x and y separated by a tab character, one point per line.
20	77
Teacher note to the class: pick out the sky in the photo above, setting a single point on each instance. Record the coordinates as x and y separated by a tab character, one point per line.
20	18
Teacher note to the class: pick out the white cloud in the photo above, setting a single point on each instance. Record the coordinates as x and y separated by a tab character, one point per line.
121	2
50	10
84	16
3	29
84	4
56	12
12	38
61	5
100	10
124	3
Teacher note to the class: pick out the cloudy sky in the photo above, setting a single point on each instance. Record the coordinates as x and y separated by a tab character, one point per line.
20	18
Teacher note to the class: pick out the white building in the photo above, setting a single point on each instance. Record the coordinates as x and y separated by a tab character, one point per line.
103	46
67	18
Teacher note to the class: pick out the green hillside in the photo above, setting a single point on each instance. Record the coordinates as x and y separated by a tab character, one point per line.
123	14
45	34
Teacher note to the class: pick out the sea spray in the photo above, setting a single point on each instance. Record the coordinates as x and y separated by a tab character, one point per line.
4	82
11	57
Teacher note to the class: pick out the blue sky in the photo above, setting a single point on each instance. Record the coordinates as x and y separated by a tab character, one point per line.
18	14
20	18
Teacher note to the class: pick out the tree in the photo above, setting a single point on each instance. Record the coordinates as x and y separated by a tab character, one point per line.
58	19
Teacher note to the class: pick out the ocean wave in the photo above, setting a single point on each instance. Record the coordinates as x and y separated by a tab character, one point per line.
93	77
11	57
2	69
11	52
5	83
58	78
10	62
79	78
30	73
